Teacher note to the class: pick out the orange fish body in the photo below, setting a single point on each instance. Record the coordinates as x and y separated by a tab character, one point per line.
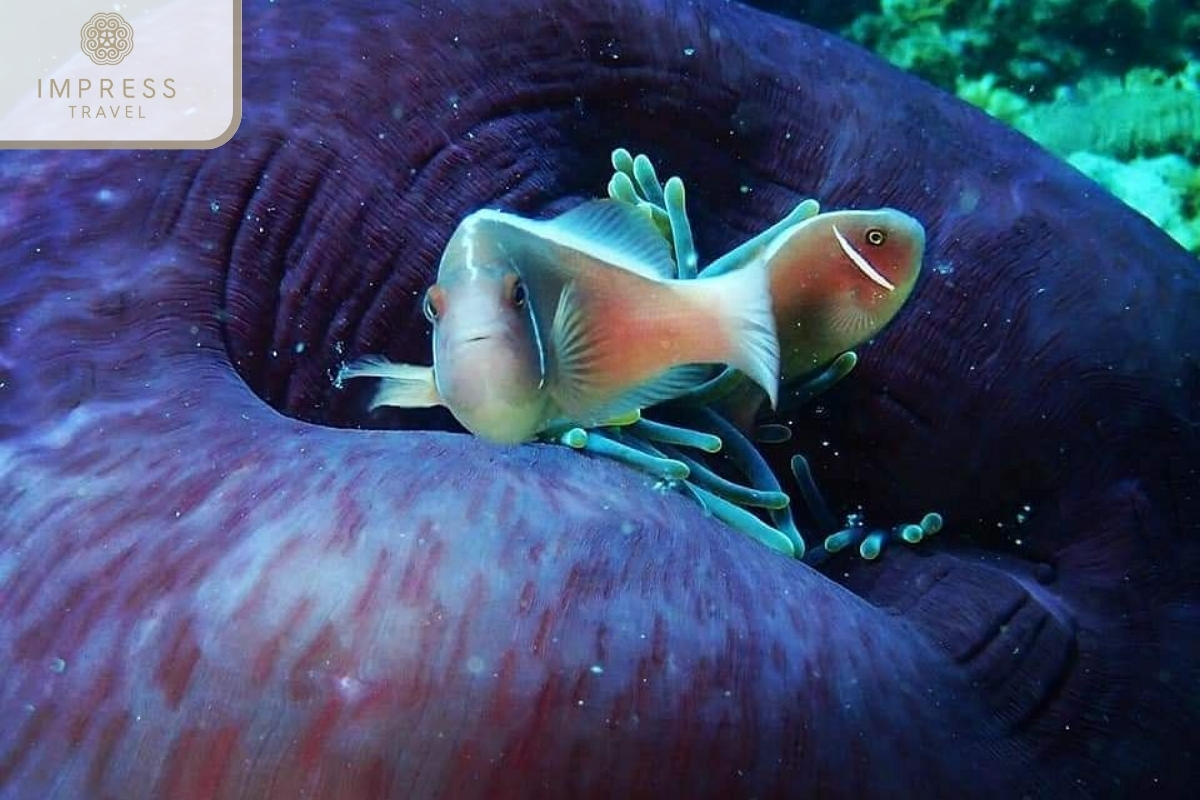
836	280
601	328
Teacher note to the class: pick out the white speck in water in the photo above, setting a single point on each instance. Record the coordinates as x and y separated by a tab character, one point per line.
105	195
745	189
689	51
58	665
300	347
475	665
627	527
214	206
596	669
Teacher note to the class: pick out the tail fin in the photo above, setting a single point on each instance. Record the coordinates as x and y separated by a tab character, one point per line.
743	298
401	385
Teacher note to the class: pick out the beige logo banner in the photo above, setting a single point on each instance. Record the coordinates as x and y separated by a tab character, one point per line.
139	74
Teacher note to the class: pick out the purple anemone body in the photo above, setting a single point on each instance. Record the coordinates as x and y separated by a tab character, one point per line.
211	587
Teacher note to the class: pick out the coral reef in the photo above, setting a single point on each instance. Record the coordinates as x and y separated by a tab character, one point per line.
1138	136
1036	45
1165	189
1126	121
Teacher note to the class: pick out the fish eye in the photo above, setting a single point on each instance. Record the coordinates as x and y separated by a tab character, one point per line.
427	306
517	294
876	237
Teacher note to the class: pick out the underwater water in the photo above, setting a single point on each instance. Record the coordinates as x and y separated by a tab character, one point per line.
224	575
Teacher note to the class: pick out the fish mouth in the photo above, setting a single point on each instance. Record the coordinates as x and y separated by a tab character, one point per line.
483	335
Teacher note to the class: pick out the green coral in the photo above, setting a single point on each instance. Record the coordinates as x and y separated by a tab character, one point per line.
1138	136
1136	120
926	37
1032	46
1165	189
987	93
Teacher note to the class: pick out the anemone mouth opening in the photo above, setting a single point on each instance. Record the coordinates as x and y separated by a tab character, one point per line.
317	260
325	244
322	259
293	311
301	381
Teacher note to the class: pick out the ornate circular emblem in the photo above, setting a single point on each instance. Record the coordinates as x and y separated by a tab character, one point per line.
106	38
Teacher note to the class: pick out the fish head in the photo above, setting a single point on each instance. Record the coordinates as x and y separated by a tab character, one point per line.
489	362
837	279
879	254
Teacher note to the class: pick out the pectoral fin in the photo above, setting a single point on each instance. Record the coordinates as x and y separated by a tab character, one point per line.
575	353
587	395
400	385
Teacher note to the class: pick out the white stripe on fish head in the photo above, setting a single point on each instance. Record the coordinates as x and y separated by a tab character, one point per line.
860	261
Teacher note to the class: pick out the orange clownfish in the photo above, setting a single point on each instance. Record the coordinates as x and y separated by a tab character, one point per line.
574	321
836	279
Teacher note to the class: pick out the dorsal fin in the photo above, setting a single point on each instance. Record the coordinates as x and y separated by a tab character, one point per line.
605	230
617	233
